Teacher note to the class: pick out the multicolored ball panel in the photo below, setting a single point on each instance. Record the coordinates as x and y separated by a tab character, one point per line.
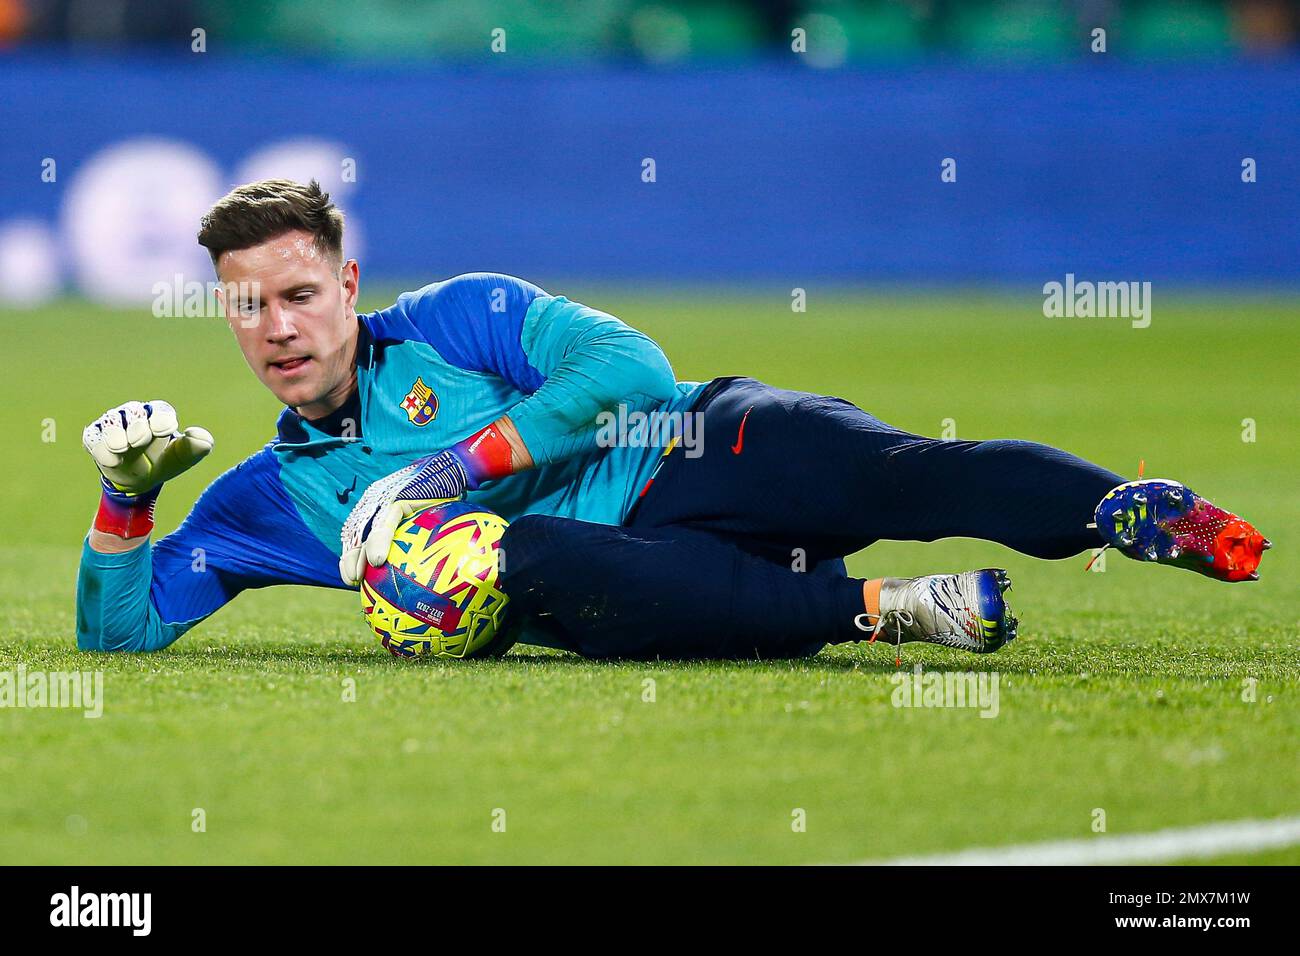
438	594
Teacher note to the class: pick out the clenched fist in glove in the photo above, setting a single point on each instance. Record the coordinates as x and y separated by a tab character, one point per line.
137	447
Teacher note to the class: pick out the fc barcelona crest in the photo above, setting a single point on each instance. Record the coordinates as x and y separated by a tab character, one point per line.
421	404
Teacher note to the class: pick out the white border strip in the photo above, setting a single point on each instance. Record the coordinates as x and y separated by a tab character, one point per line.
1162	846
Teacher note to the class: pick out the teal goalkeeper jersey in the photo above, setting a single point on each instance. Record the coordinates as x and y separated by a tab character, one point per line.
436	366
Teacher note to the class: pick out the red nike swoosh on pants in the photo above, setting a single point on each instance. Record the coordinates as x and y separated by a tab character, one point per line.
740	435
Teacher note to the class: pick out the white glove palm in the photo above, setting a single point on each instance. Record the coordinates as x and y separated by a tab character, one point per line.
138	446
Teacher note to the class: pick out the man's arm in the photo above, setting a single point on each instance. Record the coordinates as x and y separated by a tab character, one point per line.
115	611
137	447
243	532
589	362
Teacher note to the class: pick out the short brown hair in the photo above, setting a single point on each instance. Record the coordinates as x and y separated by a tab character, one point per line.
251	214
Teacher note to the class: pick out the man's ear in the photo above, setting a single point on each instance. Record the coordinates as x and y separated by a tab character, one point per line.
219	291
222	292
350	276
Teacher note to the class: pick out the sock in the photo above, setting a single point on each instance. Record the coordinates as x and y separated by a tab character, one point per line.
871	596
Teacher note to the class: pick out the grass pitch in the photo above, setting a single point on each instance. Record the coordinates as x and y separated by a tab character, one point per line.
1127	691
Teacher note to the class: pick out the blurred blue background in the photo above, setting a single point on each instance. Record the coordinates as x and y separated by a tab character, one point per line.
790	142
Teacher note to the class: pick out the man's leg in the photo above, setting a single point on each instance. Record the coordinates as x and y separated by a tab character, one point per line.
783	470
604	591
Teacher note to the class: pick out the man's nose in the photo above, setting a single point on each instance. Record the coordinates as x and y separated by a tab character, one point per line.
280	327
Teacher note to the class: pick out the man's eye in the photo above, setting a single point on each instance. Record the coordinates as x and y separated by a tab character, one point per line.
249	308
302	297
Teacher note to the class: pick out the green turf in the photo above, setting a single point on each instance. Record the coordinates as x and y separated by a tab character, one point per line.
1124	691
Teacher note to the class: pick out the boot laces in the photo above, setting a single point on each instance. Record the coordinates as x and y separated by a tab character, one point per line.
899	617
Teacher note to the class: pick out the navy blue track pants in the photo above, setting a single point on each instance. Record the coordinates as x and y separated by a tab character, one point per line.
738	552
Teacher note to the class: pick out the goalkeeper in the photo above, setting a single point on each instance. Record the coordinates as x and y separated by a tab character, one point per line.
723	541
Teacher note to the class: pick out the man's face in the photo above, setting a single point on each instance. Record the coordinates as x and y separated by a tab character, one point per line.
293	312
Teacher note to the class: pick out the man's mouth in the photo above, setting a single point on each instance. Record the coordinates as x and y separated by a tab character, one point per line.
288	366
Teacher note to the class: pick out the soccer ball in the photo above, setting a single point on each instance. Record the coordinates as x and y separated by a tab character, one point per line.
438	594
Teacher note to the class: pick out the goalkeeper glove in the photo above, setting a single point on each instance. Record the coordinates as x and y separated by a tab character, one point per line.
368	533
137	447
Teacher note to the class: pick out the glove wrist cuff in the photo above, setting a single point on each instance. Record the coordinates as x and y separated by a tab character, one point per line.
127	516
485	455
